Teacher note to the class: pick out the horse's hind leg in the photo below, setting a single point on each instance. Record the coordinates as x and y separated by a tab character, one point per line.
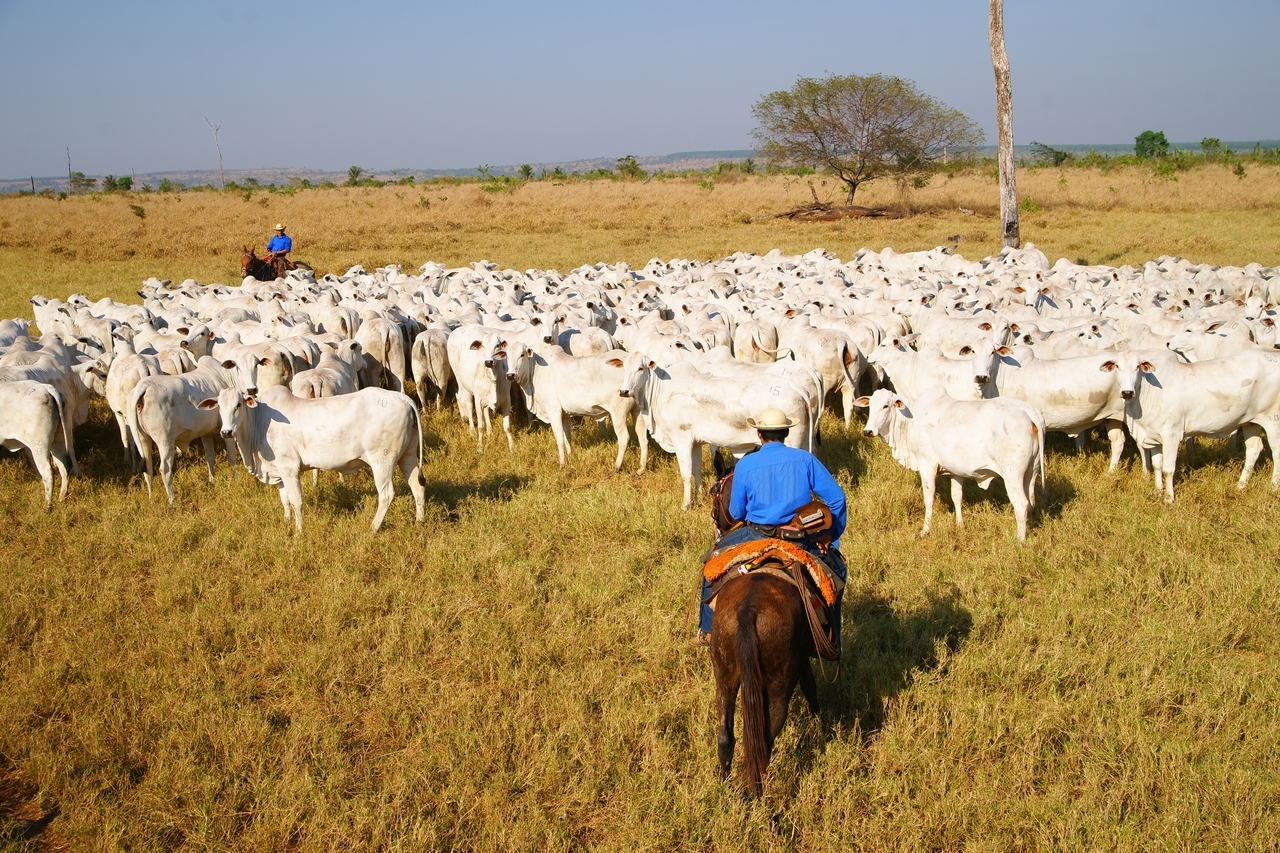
727	698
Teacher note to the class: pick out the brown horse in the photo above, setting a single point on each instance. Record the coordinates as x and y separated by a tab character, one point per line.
760	641
267	270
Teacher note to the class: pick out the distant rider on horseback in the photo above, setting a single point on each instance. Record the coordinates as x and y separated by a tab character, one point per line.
769	486
278	251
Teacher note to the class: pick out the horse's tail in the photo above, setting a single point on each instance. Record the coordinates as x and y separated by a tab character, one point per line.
755	742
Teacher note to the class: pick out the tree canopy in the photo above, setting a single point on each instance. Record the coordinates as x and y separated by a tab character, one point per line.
1151	143
860	128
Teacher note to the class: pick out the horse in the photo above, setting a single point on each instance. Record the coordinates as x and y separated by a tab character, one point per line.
761	642
264	270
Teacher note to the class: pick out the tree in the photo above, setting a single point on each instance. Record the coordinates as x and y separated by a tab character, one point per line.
1004	128
1047	155
1211	146
1151	143
81	184
860	128
629	167
526	172
353	175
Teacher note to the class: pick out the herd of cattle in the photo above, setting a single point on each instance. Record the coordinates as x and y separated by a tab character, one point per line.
983	358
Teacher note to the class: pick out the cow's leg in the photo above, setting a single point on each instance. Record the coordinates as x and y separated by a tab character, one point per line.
506	427
684	459
1015	486
144	447
1273	438
848	394
642	438
62	472
1157	466
560	429
1079	439
291	486
1252	450
1115	434
123	425
466	407
624	438
695	465
928	484
167	454
411	468
957	499
1169	463
39	454
207	441
284	502
384	482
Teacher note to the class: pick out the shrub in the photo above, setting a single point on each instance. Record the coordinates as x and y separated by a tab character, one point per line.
1211	148
168	186
1029	205
1150	143
138	211
630	169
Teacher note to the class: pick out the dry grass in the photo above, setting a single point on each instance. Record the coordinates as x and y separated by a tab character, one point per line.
514	674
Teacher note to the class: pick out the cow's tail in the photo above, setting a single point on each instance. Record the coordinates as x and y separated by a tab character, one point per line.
132	411
1044	487
755	740
67	436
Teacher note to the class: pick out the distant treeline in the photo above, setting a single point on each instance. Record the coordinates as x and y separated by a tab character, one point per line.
1151	150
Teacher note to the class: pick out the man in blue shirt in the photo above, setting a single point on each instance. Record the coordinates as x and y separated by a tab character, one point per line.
278	251
769	485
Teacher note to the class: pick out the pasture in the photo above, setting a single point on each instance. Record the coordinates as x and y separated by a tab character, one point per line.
514	673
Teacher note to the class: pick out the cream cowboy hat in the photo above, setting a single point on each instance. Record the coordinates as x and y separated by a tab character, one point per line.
771	418
279	226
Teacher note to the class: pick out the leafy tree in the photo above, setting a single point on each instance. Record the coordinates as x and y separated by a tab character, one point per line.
79	183
124	184
1211	147
860	128
1049	156
629	167
168	186
526	172
109	184
1150	143
353	175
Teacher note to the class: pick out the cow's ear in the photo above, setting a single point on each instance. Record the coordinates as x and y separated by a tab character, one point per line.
1146	367
1013	327
536	321
614	362
862	402
653	365
183	330
211	403
500	354
1240	302
966	350
1107	366
1267	321
228	364
502	344
986	327
1004	351
1019	289
898	404
477	345
264	360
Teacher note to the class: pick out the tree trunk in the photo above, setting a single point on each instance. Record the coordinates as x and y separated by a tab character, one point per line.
1004	129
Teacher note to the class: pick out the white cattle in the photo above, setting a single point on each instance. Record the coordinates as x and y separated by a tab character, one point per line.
916	374
965	439
590	340
558	386
127	369
756	341
481	367
280	435
429	358
383	348
684	409
337	372
1073	394
1169	400
164	410
720	362
33	418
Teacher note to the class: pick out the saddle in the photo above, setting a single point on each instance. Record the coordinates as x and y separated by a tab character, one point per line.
811	576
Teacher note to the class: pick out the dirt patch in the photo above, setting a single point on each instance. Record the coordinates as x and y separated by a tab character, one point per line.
24	814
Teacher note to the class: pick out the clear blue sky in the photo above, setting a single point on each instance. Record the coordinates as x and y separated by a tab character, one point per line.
127	85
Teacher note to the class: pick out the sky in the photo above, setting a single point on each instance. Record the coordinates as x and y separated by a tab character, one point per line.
129	85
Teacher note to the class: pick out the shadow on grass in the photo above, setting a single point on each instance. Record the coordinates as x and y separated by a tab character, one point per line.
882	650
496	487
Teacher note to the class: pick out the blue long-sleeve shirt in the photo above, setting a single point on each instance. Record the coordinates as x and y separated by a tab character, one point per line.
775	481
280	243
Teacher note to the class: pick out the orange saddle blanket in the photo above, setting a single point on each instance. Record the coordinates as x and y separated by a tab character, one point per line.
749	555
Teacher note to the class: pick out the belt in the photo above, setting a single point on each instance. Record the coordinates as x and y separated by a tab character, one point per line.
777	531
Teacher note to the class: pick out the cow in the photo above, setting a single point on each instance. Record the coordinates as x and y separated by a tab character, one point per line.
164	410
978	439
557	386
383	347
337	372
33	417
1073	394
917	373
429	358
280	435
481	367
1168	400
684	409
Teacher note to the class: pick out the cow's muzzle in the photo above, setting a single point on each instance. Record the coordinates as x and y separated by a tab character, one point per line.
1126	395
226	433
869	433
624	393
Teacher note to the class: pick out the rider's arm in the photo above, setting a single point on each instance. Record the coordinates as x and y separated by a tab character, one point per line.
830	493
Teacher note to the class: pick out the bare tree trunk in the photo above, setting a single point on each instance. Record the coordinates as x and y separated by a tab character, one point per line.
1004	129
222	178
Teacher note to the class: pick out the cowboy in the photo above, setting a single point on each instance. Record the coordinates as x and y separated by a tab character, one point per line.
278	250
769	485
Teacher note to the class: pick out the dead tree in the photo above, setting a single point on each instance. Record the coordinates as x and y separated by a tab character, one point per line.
1004	129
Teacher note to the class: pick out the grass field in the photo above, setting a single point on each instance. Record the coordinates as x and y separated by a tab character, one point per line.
515	672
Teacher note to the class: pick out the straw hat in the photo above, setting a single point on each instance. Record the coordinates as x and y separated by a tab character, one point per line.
771	418
279	226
